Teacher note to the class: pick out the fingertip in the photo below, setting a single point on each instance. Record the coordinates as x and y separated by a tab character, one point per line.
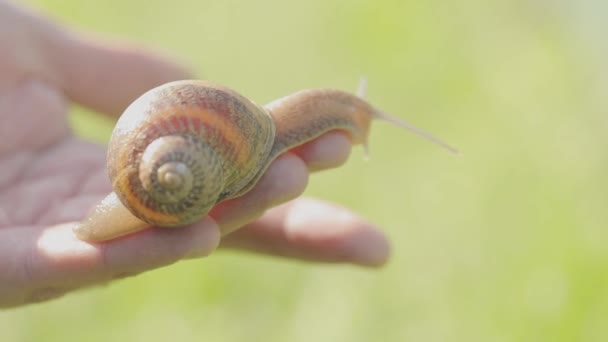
337	233
207	240
368	247
328	151
285	179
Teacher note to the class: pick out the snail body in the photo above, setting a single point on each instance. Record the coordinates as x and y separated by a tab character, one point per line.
185	146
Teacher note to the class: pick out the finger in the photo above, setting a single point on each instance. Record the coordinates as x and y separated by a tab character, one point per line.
327	151
38	265
285	179
312	230
106	76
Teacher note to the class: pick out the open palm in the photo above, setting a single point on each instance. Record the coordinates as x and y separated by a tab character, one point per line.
49	179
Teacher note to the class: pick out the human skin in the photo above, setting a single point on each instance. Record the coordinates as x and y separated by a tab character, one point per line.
49	179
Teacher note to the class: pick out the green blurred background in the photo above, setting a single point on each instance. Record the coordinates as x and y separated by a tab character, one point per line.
507	242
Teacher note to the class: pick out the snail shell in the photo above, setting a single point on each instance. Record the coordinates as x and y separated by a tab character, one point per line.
183	147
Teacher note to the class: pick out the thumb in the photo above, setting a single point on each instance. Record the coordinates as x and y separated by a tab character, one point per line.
106	76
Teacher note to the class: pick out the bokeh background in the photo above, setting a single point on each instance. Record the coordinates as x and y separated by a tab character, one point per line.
508	242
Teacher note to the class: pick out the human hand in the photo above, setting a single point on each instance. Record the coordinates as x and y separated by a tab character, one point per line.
49	179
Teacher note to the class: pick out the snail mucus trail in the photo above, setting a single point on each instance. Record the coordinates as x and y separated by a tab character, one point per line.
185	146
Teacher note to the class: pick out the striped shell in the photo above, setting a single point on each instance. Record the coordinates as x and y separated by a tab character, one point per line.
184	146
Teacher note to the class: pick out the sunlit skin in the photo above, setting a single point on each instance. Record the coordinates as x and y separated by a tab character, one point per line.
50	179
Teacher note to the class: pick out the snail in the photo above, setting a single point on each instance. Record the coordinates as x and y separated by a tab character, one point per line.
185	146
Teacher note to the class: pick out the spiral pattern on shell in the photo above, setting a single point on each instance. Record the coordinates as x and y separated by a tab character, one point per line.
180	177
182	147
